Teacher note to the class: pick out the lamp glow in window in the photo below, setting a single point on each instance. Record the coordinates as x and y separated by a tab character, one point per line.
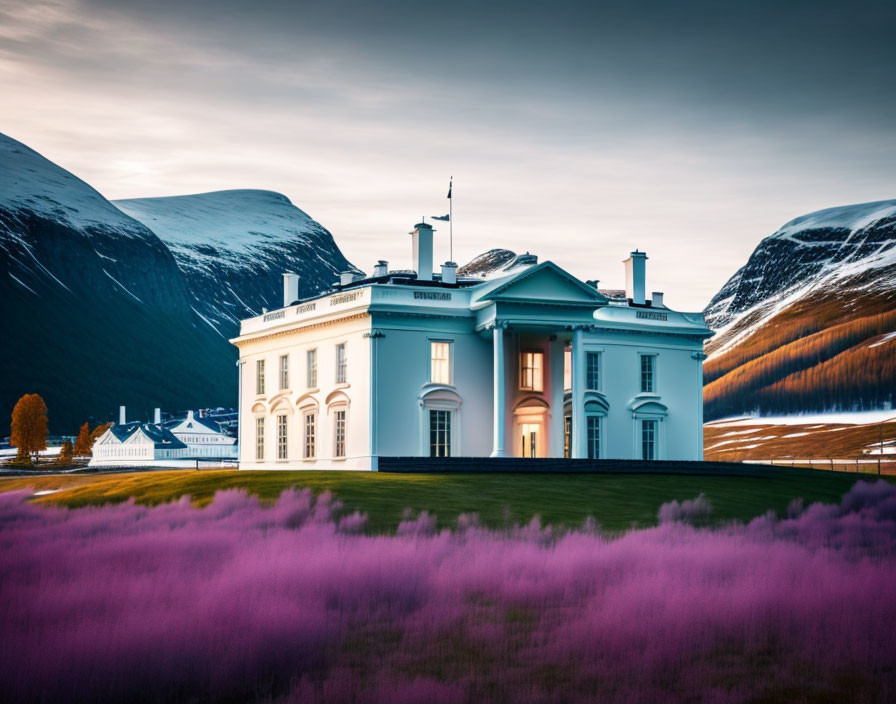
440	362
532	371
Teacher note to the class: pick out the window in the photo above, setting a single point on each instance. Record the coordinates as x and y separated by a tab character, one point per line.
281	437
310	424
648	364
648	439
311	363
259	377
259	439
440	433
593	437
284	371
567	436
592	371
440	363
567	368
531	365
339	434
340	363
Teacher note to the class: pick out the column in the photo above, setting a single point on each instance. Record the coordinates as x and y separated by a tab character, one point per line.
579	444
555	384
499	391
699	356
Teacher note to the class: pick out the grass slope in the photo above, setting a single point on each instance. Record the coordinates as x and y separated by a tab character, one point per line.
616	501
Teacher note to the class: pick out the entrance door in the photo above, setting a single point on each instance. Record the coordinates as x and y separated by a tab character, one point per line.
529	439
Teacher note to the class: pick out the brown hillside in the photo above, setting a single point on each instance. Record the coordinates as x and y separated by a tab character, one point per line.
816	311
769	371
787	360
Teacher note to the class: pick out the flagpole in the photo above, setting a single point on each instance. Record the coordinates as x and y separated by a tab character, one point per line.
451	220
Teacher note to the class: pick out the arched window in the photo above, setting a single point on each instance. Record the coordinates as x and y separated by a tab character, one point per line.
309	415
337	412
439	421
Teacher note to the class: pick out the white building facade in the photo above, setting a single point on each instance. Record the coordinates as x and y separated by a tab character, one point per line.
529	363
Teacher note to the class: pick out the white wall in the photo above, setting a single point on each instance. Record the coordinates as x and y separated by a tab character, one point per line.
276	401
404	373
676	387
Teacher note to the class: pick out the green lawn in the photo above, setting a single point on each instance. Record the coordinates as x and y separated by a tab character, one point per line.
616	501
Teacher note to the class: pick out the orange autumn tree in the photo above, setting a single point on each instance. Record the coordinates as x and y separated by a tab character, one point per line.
82	442
29	426
97	431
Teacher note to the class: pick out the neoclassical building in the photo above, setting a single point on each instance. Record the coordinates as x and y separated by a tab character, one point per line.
529	362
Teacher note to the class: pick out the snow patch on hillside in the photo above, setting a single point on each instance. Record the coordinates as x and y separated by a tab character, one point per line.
228	221
28	181
848	217
834	417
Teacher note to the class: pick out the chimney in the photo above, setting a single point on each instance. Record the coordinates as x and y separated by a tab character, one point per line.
290	288
635	286
422	242
449	273
381	268
121	415
157	416
346	277
656	299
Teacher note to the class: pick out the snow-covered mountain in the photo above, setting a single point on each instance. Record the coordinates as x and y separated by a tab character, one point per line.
99	310
814	302
488	264
233	247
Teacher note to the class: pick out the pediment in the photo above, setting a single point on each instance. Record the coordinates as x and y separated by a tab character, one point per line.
545	283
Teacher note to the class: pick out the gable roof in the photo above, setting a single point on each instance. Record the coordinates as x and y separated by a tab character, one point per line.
161	437
542	283
191	417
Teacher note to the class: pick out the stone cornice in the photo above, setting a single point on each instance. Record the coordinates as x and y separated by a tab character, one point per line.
258	337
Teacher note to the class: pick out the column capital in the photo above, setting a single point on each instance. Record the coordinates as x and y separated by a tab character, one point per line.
699	356
580	328
497	325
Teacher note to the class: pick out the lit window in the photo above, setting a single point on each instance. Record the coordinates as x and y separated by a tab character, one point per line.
259	439
259	377
567	436
281	437
648	363
593	437
339	434
440	433
310	435
531	366
284	371
311	361
440	362
592	371
648	439
340	363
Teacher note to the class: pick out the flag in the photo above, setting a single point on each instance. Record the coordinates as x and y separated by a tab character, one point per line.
449	188
446	218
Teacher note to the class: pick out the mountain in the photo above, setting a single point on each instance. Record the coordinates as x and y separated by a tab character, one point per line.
809	322
100	311
490	263
233	247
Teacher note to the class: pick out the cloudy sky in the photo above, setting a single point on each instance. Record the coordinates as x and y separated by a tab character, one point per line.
576	130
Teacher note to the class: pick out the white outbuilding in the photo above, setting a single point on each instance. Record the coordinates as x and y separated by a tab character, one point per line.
530	362
176	443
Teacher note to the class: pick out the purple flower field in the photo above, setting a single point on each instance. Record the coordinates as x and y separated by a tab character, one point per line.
290	602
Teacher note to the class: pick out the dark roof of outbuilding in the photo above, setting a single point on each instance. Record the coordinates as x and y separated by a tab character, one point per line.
160	436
